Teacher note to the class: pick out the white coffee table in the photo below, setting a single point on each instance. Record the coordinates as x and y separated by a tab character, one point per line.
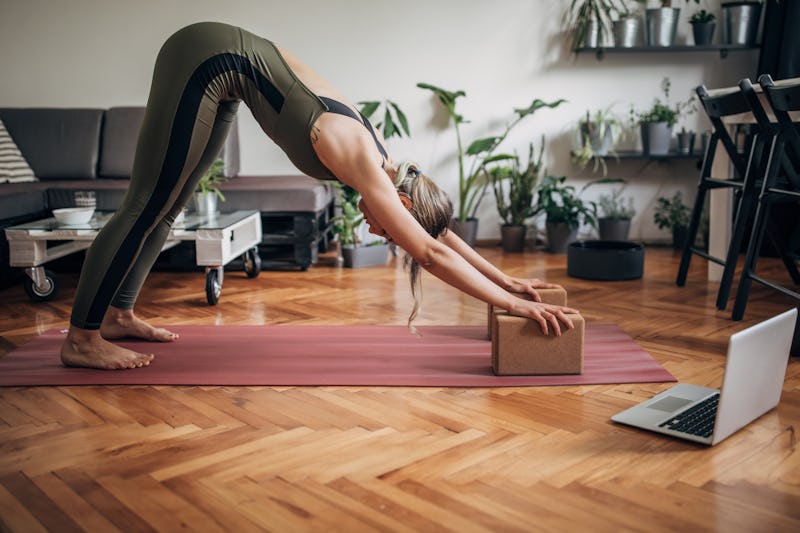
218	240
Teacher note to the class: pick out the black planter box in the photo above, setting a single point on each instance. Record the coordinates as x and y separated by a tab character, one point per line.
605	260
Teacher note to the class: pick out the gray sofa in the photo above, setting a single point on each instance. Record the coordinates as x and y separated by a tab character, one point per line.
81	149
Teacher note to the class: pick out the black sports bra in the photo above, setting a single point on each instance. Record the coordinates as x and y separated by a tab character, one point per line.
335	106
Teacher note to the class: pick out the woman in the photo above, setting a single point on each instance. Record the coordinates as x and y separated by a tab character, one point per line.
202	72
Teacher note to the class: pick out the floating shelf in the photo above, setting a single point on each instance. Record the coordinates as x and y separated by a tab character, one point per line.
723	49
641	155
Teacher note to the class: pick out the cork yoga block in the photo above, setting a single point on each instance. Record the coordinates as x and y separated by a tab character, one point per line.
549	296
520	348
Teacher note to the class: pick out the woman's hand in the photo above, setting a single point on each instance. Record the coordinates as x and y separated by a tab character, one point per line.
528	286
546	315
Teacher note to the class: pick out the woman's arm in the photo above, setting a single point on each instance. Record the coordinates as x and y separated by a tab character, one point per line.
349	152
502	280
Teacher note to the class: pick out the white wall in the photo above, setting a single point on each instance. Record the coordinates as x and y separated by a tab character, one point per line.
504	53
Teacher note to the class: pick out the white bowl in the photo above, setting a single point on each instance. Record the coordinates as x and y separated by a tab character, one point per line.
73	215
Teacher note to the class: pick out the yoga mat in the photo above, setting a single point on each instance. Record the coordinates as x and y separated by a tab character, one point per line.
445	356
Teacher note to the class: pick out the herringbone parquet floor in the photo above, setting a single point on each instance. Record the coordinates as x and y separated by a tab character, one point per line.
394	459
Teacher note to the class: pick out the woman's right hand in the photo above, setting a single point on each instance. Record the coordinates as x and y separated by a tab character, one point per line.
546	315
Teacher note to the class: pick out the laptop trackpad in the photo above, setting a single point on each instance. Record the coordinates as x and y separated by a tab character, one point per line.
669	404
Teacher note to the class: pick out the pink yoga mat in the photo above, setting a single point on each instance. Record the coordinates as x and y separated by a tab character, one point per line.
445	356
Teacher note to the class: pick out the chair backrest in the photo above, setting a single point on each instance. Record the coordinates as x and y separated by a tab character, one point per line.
784	98
718	104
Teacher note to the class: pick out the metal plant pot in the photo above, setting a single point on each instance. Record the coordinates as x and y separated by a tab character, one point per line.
656	137
592	38
740	22
205	204
365	256
661	25
626	32
686	142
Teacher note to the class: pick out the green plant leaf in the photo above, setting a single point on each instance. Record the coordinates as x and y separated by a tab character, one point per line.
368	108
536	105
401	118
482	145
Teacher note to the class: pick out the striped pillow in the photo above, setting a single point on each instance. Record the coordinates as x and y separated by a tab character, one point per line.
13	167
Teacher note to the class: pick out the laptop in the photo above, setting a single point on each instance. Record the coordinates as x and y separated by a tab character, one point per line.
754	374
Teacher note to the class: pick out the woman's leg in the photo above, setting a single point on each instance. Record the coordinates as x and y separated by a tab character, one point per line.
120	320
175	136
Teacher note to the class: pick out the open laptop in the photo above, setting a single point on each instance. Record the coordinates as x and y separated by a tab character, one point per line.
754	374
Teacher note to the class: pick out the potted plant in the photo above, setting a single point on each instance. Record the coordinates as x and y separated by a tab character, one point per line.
597	133
657	122
207	192
347	224
516	205
564	212
672	213
617	213
473	181
589	22
703	25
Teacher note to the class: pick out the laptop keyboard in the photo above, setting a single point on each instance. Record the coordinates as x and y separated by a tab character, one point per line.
698	420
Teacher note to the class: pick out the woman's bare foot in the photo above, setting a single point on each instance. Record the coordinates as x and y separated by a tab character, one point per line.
87	348
122	323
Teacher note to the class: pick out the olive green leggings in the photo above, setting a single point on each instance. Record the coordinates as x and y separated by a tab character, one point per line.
201	74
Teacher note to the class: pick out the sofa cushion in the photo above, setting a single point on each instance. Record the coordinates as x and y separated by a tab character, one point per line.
108	193
22	199
58	143
276	194
13	167
121	127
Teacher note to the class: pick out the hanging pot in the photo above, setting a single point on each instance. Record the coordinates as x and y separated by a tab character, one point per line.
661	25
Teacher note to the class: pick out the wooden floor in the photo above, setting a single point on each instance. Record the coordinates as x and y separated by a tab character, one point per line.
394	459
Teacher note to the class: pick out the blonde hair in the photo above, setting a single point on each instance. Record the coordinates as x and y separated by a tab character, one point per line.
432	208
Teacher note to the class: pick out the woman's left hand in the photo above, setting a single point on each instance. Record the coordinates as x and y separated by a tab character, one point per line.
529	286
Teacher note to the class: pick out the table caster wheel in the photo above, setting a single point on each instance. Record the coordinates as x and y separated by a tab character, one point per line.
213	286
252	263
45	291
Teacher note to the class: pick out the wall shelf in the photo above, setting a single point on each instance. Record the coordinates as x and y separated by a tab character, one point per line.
723	49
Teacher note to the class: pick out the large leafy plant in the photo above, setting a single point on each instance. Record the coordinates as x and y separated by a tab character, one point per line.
562	203
472	182
515	205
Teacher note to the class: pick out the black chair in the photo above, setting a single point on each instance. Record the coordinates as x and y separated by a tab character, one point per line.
748	168
781	184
